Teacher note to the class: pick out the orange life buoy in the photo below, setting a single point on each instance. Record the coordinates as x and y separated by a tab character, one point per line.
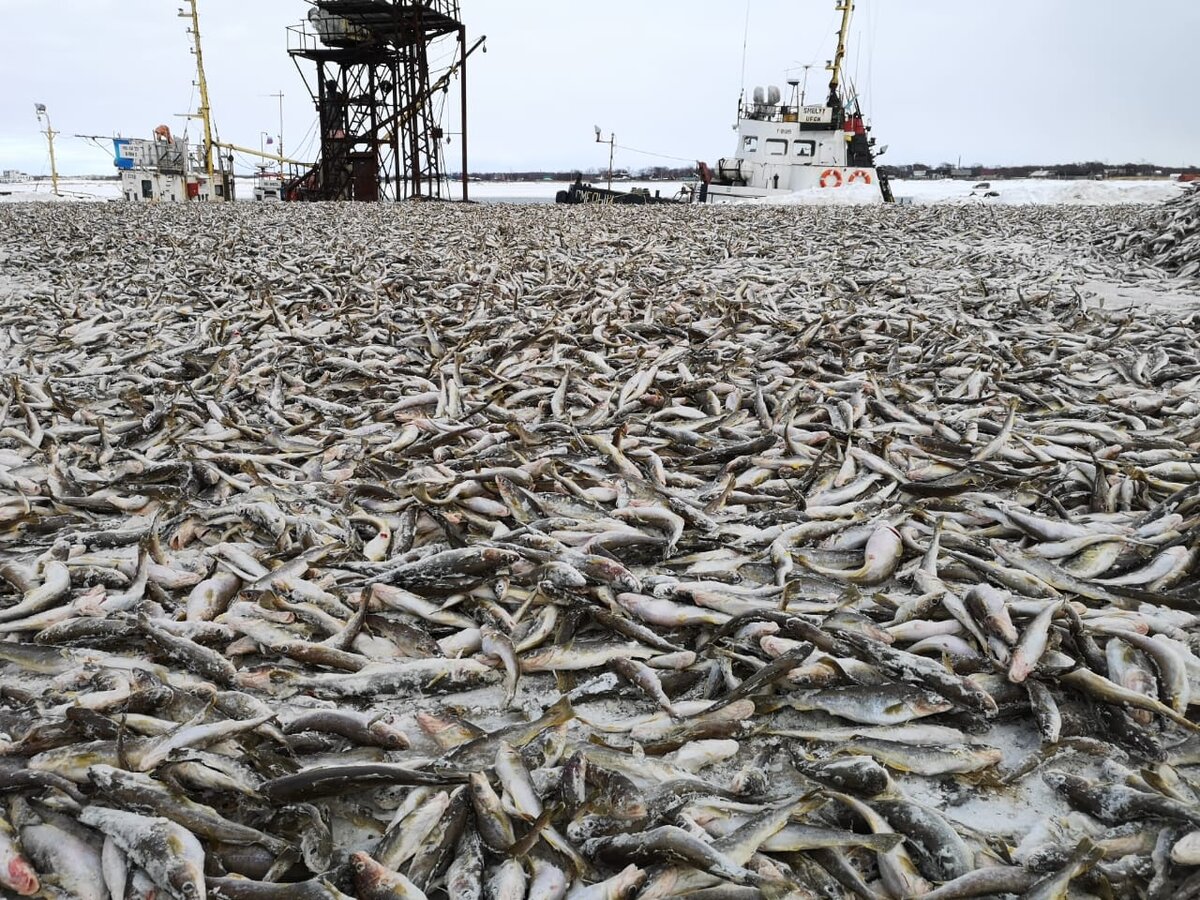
835	175
860	175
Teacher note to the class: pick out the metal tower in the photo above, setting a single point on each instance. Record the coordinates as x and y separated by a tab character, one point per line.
373	93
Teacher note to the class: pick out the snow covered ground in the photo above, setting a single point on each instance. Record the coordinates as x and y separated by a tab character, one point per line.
70	189
1039	191
1018	191
1036	191
545	191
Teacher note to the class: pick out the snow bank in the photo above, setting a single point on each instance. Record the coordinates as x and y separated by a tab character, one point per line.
857	194
1038	191
70	190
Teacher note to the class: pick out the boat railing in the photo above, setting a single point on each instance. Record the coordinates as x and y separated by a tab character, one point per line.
810	118
169	158
768	112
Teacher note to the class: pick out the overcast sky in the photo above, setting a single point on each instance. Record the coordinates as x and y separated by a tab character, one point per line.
990	81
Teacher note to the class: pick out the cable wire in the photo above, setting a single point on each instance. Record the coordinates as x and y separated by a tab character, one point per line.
745	46
686	159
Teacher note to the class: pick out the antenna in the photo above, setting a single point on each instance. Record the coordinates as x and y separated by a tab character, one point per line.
745	45
794	84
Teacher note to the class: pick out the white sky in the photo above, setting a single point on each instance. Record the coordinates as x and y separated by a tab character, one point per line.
992	81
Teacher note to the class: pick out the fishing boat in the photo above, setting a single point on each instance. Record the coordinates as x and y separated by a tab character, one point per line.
589	193
784	147
167	169
268	184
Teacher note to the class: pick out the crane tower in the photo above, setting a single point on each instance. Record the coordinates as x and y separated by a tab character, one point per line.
374	97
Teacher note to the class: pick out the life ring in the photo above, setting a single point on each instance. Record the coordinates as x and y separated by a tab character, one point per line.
860	175
834	174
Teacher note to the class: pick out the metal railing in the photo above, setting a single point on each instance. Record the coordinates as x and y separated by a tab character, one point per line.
360	26
301	40
770	112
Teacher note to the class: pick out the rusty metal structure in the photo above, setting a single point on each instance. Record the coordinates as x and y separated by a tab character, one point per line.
374	96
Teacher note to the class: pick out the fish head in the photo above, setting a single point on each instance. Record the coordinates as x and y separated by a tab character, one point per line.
366	871
265	680
391	737
628	881
610	571
102	776
20	876
928	703
188	884
1055	779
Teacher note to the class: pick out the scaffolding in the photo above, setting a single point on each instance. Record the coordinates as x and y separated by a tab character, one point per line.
374	98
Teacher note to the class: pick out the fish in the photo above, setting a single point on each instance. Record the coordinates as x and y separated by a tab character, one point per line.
869	705
1114	803
1055	885
146	793
170	854
1032	644
375	882
74	863
16	872
592	551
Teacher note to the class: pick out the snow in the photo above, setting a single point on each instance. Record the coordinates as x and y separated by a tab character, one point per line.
545	191
857	194
1158	297
1036	191
70	190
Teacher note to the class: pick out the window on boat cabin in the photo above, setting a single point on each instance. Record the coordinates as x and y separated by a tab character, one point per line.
147	189
750	144
777	147
807	149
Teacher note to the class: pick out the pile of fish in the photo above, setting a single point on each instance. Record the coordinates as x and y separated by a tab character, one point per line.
1167	236
597	553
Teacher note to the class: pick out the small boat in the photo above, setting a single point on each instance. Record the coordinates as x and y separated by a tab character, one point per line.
587	193
268	184
786	147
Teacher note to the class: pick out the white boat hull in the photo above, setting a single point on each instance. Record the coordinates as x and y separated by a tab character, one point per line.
831	179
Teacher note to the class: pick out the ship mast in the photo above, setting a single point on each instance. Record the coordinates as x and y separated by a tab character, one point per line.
205	111
846	8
